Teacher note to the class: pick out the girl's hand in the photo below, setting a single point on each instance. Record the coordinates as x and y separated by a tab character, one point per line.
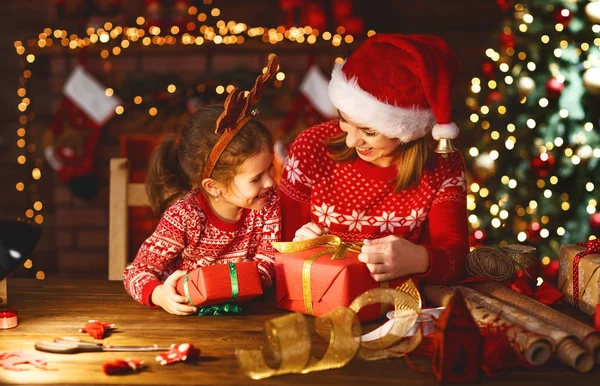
391	257
310	231
165	295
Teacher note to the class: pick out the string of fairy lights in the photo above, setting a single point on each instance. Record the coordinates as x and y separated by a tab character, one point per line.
498	210
207	28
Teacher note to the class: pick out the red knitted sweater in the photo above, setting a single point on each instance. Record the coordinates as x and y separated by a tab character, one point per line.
190	235
355	200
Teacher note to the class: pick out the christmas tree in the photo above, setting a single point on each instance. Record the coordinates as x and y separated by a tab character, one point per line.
535	116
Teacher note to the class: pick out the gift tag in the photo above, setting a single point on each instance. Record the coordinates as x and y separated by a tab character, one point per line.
90	96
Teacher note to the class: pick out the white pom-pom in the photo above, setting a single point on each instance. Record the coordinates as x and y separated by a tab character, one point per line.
446	130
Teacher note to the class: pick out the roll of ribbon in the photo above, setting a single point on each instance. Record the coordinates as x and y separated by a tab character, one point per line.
8	318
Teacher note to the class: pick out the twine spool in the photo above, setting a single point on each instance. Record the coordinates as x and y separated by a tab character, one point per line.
490	263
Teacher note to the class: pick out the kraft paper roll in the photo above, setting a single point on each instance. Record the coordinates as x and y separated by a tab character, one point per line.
587	335
536	349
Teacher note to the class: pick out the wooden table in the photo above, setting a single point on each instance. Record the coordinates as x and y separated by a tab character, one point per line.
52	308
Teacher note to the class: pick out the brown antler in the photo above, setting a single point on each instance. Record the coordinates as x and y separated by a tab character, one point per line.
238	111
238	106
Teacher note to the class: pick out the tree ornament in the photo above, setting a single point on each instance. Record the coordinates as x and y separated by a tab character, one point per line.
595	223
525	85
591	80
554	88
494	97
489	70
477	238
543	164
550	271
592	11
533	233
563	16
503	4
507	40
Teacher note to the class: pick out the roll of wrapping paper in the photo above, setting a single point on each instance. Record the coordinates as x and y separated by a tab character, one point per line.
568	349
536	349
587	335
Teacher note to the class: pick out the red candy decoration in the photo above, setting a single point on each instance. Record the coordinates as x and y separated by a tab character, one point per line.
178	353
97	329
122	366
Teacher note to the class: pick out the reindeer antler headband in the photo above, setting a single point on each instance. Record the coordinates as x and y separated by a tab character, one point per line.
239	109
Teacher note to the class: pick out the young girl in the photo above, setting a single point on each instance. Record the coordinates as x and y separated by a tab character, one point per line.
218	200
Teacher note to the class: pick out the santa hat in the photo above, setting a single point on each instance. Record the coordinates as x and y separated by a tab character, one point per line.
398	85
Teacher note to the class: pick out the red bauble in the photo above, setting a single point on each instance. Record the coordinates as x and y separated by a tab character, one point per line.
554	88
533	233
489	70
342	9
477	238
551	271
503	4
494	97
290	5
543	164
313	15
563	16
355	25
595	223
507	39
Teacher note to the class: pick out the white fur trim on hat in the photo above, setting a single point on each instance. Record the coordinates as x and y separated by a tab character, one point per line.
446	130
406	124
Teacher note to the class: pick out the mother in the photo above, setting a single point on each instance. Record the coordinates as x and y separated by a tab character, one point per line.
372	175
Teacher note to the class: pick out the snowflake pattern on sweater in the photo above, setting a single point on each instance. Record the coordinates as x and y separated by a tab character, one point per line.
356	201
190	235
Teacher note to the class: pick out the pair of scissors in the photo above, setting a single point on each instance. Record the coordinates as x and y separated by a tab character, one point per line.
71	345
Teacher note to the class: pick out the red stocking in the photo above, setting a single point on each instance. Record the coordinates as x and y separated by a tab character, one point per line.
69	145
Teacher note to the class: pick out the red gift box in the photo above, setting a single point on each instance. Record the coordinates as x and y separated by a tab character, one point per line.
217	284
333	283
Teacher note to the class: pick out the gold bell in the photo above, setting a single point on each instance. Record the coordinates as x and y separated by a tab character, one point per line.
445	146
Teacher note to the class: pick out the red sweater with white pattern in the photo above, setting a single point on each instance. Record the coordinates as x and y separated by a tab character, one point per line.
356	201
190	235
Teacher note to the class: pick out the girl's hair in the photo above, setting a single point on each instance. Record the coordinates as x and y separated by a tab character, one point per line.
411	158
176	166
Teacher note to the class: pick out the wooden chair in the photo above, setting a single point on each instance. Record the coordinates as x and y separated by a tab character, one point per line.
123	194
3	293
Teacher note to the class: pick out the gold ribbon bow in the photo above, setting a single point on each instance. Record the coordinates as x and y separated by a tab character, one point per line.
333	246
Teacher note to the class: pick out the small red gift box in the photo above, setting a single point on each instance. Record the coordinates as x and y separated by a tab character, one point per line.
332	283
221	283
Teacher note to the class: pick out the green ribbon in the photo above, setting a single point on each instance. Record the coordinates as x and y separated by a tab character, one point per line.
217	309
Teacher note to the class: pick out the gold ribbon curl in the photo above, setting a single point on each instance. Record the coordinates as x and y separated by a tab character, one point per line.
290	341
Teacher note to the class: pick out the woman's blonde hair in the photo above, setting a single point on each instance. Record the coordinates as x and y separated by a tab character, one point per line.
411	158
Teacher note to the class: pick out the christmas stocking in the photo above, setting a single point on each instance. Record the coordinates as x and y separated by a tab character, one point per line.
311	106
72	136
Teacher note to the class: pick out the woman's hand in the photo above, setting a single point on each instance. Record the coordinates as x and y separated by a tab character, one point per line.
391	257
310	231
165	295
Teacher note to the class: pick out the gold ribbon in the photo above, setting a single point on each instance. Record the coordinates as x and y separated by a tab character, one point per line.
290	339
333	246
522	256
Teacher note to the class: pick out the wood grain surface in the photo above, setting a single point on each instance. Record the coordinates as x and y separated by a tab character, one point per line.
52	308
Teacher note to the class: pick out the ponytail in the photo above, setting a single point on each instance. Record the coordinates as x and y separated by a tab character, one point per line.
166	180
